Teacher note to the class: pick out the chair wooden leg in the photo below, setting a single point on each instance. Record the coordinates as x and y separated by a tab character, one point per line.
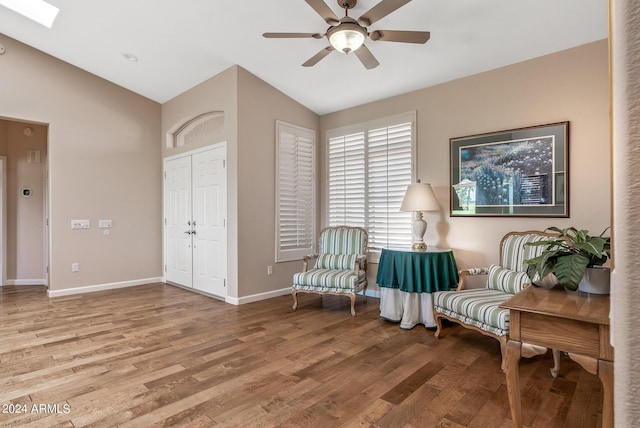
503	352
353	304
438	325
556	363
294	293
364	293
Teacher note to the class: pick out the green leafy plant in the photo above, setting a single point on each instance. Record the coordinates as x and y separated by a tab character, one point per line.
568	255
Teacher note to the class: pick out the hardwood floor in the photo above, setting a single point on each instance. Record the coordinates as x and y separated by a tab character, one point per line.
157	355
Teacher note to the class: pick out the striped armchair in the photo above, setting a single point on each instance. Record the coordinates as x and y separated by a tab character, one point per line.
340	267
479	309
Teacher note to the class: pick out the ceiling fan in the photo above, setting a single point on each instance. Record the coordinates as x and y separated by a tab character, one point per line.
348	34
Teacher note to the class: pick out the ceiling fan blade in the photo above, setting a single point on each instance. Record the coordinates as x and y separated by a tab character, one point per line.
317	57
366	57
400	36
292	35
379	11
324	11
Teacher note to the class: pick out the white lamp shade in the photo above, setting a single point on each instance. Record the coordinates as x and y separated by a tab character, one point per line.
419	197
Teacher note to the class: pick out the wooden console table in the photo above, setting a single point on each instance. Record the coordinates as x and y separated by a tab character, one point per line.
573	322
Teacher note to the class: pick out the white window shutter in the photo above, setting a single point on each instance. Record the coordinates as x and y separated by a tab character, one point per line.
295	204
347	202
389	157
370	166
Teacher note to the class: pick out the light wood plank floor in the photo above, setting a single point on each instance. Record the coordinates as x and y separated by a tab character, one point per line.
157	355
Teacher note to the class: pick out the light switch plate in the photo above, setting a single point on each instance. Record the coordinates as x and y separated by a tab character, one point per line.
80	224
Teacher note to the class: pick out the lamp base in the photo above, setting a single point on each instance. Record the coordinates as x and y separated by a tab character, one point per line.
419	229
418	246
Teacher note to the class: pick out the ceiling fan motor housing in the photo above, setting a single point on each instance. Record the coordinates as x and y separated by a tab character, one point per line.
347	4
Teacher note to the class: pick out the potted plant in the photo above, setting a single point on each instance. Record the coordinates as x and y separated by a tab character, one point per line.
569	255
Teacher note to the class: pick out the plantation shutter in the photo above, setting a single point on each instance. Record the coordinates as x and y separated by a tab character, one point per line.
347	184
295	204
389	174
369	168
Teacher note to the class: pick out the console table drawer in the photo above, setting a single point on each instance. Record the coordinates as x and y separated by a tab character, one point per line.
559	333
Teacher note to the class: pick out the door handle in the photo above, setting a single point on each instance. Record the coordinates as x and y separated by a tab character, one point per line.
188	232
193	232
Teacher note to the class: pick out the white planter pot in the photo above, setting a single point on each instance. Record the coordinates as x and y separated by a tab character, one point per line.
596	280
547	282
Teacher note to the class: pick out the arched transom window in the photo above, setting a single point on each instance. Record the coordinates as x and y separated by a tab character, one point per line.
204	129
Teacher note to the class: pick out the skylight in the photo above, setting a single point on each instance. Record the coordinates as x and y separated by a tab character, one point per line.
37	10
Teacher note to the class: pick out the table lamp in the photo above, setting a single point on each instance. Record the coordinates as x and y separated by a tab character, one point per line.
419	197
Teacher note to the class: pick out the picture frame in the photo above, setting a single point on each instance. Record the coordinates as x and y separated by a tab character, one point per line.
520	172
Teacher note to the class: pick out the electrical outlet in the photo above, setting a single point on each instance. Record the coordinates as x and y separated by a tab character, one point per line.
269	270
104	224
75	267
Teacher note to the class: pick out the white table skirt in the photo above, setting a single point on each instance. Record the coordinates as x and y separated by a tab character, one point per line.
409	309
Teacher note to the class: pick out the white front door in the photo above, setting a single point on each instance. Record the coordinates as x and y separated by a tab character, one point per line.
177	221
209	228
195	206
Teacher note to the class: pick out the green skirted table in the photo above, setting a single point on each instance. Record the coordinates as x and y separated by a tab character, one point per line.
407	278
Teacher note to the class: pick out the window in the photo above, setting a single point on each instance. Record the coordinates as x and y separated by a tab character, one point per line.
202	130
295	196
370	166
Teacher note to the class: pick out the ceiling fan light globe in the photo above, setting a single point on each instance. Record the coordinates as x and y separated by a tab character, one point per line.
346	37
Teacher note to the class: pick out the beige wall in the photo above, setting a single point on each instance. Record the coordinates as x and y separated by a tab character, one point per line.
570	85
105	156
251	108
104	163
259	106
543	90
25	262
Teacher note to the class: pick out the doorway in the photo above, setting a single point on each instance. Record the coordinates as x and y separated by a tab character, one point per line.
23	203
195	213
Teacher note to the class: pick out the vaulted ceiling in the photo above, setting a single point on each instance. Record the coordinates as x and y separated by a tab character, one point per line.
179	44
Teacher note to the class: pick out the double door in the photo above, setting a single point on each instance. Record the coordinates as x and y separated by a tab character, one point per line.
195	209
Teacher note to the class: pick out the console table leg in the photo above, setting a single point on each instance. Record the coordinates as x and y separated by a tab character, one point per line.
513	381
605	373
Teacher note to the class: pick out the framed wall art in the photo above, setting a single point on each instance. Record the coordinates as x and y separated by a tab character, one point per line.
519	172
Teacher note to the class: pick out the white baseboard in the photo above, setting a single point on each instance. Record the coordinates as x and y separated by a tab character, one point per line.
25	282
257	297
277	293
102	287
111	286
373	293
